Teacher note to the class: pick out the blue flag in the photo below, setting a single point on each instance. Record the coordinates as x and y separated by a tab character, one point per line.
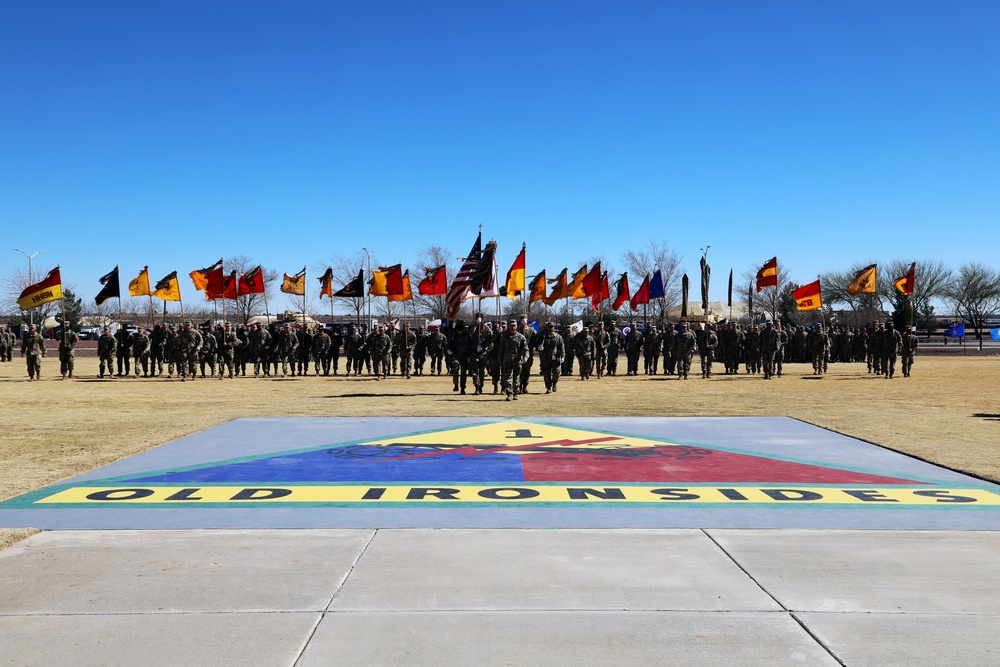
656	287
995	333
957	331
534	325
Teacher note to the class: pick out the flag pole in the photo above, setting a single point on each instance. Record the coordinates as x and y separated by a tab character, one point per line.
304	287
149	293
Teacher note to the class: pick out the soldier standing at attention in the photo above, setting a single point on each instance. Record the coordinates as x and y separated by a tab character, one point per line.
892	342
436	344
33	349
706	349
228	347
586	348
420	352
513	352
479	358
106	352
257	345
333	355
321	351
190	342
551	352
352	346
405	341
140	352
157	345
651	344
817	342
209	352
633	348
380	344
301	365
67	352
684	345
779	355
909	347
529	335
614	347
242	350
602	339
124	340
173	351
5	343
768	348
669	363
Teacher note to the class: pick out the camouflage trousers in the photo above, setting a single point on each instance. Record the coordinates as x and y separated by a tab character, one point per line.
511	376
601	362
436	358
550	373
586	364
142	358
34	362
108	360
613	361
66	362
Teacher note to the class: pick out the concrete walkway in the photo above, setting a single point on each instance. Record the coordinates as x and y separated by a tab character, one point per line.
501	597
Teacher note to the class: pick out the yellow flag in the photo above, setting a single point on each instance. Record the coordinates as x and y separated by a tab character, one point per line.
140	284
294	284
168	288
575	289
864	281
377	285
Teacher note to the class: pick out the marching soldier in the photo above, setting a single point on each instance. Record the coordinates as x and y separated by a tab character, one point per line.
530	336
550	356
460	349
892	342
436	345
768	348
228	347
404	343
633	348
614	347
480	357
684	345
586	348
514	352
140	352
817	342
321	351
33	350
106	345
651	344
779	355
602	341
209	353
707	343
67	352
909	347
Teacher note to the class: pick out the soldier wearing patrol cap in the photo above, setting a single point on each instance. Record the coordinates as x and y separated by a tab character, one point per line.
684	346
551	350
513	353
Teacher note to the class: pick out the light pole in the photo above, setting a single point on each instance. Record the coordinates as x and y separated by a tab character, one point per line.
368	298
31	317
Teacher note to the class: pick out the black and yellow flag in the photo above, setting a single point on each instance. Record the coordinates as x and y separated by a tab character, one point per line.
168	288
139	286
864	281
295	284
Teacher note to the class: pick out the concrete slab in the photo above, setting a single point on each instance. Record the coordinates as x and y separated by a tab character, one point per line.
904	640
562	638
749	472
152	640
872	571
90	572
548	569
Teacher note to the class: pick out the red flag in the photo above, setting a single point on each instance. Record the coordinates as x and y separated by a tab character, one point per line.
623	293
641	296
808	297
229	285
592	282
214	283
252	282
394	280
768	274
435	282
602	293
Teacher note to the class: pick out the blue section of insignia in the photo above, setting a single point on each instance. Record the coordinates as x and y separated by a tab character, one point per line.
358	463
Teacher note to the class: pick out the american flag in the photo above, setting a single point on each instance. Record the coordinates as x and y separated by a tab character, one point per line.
463	281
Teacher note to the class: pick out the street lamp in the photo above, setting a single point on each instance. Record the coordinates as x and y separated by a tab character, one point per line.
31	317
368	298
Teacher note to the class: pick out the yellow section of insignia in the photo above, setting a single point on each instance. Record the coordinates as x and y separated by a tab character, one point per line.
514	435
236	496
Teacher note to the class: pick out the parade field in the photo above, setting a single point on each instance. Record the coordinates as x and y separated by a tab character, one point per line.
945	413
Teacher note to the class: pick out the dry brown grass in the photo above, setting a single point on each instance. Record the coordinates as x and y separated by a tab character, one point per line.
55	429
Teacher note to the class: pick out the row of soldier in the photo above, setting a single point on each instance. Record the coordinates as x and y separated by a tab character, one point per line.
476	350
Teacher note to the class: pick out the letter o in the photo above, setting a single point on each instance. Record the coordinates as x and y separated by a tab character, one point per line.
501	493
112	494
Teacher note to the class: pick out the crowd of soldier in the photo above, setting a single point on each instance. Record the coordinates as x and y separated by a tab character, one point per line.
503	354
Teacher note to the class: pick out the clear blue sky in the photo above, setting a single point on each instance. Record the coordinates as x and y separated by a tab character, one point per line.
173	133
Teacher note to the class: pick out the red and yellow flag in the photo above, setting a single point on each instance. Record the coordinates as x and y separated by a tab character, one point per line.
394	280
376	286
575	289
864	281
767	276
808	297
515	276
905	284
49	289
407	292
168	288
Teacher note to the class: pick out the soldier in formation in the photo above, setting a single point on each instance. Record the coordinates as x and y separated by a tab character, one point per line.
436	345
892	342
633	348
6	343
336	342
602	341
530	336
420	352
67	352
685	343
381	346
586	348
404	343
551	351
123	350
106	345
707	342
140	352
480	358
652	344
33	350
817	342
614	348
513	353
909	345
460	349
209	352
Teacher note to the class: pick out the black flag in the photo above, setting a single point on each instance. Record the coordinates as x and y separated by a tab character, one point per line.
354	289
111	289
730	304
684	296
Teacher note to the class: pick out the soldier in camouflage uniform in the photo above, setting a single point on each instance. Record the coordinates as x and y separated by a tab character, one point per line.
779	354
817	341
513	353
436	344
494	360
229	345
140	352
189	341
404	343
106	345
684	346
286	346
257	348
157	349
551	351
333	354
752	351
4	343
420	352
586	348
380	344
33	350
614	347
460	349
300	365
172	351
708	341
209	353
601	342
669	362
67	352
567	367
352	353
529	335
892	342
123	350
321	351
633	348
480	357
768	348
652	343
242	350
909	345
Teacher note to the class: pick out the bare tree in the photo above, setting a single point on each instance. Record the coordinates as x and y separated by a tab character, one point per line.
975	295
642	263
932	279
15	283
430	257
865	308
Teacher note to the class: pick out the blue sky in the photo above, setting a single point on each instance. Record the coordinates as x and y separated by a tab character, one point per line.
170	134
